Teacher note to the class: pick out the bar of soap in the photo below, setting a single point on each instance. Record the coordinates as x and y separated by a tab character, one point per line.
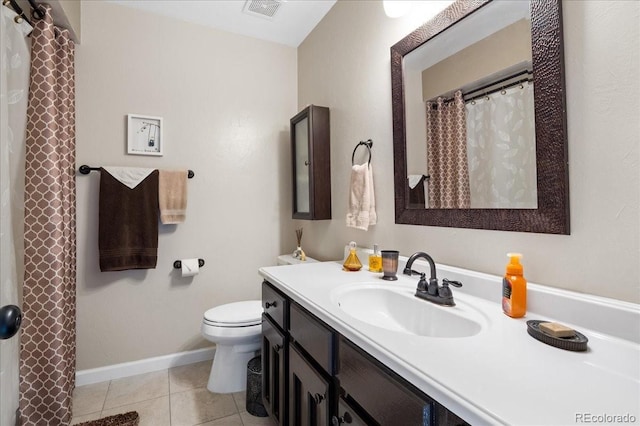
556	330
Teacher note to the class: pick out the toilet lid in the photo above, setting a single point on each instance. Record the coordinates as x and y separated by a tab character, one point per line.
236	314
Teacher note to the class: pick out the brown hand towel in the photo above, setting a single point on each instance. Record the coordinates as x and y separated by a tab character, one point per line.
172	196
128	223
416	194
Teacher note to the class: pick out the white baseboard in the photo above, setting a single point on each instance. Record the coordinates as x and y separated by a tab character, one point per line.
126	369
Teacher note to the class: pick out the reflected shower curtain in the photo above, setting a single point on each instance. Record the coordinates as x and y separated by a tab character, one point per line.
502	149
47	357
14	90
447	154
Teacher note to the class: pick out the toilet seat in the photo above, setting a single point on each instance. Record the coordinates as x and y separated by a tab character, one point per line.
238	314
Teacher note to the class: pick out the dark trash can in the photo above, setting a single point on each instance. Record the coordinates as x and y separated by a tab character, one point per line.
254	388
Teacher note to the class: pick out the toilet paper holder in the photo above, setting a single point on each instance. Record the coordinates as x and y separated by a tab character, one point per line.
178	264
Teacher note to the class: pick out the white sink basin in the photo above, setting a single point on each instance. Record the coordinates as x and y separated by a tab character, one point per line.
397	309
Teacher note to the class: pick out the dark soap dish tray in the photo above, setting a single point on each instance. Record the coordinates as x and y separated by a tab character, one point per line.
577	342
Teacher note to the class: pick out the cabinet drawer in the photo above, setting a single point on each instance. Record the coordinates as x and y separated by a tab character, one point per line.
379	391
314	337
348	415
275	305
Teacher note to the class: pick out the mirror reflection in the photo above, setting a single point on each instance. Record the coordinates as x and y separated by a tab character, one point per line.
470	128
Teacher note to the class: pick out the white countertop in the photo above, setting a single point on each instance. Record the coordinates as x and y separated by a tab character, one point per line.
500	375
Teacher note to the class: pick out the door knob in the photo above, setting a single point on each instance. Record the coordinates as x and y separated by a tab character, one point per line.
10	319
337	421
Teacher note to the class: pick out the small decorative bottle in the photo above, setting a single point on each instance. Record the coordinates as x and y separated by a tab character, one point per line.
352	263
375	260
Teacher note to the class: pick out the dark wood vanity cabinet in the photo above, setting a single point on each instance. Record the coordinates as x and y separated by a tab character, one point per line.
311	162
312	375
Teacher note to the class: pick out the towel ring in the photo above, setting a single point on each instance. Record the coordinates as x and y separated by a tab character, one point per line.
368	143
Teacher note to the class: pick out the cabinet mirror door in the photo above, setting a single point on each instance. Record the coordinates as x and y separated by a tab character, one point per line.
301	147
311	163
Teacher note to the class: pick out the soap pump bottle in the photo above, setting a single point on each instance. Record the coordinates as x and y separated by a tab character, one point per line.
514	288
352	263
375	260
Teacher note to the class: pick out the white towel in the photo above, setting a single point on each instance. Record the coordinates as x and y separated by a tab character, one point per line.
129	176
414	180
362	200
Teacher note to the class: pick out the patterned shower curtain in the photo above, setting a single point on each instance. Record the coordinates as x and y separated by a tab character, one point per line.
501	136
448	185
47	356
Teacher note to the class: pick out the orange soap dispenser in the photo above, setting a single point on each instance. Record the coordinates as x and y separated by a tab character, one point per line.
514	288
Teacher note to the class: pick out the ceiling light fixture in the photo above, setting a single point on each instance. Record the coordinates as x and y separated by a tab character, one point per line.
396	8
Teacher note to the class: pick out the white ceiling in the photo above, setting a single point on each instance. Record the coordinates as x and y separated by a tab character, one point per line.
290	25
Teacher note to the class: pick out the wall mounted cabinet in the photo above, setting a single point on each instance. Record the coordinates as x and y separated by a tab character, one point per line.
310	148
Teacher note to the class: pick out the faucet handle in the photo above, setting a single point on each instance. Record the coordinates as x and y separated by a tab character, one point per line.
409	271
446	282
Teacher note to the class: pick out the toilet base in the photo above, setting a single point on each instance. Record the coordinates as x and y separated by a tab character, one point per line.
229	368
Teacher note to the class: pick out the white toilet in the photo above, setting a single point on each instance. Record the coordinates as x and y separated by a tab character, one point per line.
236	330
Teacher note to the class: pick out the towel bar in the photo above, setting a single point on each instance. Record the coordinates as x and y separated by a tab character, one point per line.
85	170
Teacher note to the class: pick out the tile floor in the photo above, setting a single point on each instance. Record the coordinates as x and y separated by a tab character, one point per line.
174	397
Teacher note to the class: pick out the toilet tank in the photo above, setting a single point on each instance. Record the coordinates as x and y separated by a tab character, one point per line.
287	259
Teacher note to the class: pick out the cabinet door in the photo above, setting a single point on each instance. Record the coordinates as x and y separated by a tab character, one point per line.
274	377
309	392
310	147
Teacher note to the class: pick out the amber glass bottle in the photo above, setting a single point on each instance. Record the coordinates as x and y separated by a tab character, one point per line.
514	288
352	263
375	260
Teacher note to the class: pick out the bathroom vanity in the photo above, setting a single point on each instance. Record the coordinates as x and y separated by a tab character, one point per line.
349	348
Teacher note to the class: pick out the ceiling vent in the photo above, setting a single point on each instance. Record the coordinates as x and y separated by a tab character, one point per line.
262	8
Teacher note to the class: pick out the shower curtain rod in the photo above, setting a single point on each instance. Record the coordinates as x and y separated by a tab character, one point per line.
85	170
495	86
495	89
37	10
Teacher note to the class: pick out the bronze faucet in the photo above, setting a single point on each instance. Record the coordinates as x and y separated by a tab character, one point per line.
431	291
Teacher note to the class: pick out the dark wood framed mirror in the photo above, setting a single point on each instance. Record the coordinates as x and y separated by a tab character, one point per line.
551	153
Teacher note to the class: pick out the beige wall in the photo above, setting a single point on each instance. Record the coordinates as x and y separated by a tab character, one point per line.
344	64
501	50
226	102
73	12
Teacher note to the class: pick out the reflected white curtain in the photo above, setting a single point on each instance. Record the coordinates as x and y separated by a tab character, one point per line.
501	149
14	88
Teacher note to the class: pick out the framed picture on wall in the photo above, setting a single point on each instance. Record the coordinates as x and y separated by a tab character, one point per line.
144	135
